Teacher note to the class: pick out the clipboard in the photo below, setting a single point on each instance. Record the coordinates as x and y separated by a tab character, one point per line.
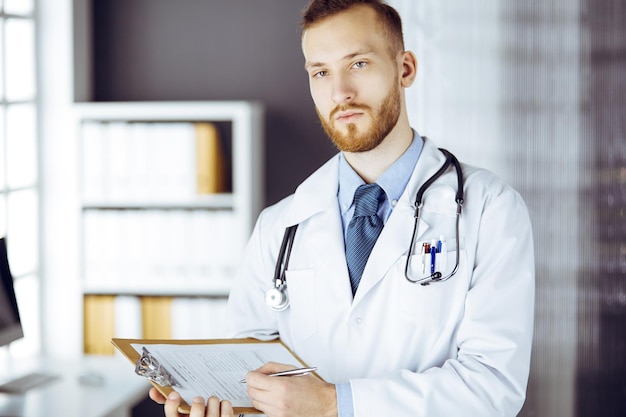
160	362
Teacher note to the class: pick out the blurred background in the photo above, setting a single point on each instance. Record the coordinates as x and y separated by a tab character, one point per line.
533	90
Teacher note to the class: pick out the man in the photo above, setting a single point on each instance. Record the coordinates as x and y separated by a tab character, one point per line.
383	344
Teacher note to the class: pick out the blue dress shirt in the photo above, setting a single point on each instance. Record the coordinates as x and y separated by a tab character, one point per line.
393	181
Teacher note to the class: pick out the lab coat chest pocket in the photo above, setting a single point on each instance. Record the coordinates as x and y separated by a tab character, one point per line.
302	295
439	303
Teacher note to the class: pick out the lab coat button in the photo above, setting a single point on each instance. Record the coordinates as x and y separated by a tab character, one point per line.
358	320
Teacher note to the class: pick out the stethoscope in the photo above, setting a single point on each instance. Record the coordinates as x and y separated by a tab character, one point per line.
277	297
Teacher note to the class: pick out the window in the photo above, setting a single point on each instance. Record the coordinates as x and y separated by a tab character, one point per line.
19	189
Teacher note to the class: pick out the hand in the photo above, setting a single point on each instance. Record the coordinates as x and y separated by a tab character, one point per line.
290	395
213	408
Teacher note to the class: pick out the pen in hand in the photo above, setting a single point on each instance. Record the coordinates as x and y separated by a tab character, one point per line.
291	372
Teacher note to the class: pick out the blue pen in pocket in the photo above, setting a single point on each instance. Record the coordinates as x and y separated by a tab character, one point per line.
433	256
442	258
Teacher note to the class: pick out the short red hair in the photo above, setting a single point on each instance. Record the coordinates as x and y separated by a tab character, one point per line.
387	16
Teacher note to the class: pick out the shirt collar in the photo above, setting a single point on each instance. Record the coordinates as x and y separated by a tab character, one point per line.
393	181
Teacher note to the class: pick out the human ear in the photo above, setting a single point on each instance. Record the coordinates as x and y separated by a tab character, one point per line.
409	69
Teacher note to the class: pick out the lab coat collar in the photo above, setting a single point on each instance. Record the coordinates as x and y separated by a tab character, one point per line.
316	194
319	191
430	160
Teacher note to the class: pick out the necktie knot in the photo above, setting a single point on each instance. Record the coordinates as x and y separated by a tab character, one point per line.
366	199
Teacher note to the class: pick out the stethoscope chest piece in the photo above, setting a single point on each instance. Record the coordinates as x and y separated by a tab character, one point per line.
277	298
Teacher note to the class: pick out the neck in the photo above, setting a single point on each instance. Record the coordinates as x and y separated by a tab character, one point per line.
370	165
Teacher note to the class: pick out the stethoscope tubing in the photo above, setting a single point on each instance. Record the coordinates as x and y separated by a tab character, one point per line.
280	280
284	254
459	199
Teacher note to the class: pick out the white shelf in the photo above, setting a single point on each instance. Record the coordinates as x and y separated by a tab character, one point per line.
247	140
173	242
239	112
200	288
214	201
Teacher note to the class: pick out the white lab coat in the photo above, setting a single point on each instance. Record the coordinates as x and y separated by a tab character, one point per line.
456	348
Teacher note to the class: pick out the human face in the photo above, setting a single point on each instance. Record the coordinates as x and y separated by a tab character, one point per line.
383	120
353	78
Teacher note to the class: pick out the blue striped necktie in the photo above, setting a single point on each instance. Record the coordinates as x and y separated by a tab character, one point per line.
363	230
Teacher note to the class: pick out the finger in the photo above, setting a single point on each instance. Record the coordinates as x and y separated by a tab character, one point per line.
259	381
226	409
267	400
264	407
171	404
156	396
213	407
262	396
260	378
197	408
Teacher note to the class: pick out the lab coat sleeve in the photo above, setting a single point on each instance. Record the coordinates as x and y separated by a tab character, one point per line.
490	373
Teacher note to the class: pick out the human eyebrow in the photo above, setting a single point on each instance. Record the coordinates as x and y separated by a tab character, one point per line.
312	65
356	54
348	57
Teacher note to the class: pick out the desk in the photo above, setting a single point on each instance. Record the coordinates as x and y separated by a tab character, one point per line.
120	388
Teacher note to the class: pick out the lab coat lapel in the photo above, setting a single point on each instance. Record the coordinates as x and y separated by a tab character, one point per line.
316	209
393	242
395	239
327	242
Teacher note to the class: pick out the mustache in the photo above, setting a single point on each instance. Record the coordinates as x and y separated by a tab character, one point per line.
347	107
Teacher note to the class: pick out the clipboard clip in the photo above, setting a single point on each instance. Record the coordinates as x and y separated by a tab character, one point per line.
148	367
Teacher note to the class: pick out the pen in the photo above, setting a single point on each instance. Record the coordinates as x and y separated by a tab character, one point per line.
433	255
442	258
291	372
425	251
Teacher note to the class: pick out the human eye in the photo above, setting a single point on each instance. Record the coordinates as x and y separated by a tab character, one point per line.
359	64
319	74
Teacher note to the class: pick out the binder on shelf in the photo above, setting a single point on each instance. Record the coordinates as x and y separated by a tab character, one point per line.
128	316
156	317
99	324
204	367
199	318
210	166
94	160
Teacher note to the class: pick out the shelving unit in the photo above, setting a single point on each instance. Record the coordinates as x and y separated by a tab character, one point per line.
167	244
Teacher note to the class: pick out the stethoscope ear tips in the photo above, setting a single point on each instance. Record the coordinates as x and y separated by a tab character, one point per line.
277	298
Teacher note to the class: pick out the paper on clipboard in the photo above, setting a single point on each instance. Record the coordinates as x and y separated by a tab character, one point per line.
204	367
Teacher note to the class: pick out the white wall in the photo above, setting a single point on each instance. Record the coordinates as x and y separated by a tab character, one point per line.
455	99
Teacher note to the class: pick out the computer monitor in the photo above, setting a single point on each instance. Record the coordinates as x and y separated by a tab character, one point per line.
10	324
11	329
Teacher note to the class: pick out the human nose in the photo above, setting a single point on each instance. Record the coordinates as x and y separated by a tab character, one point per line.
343	90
